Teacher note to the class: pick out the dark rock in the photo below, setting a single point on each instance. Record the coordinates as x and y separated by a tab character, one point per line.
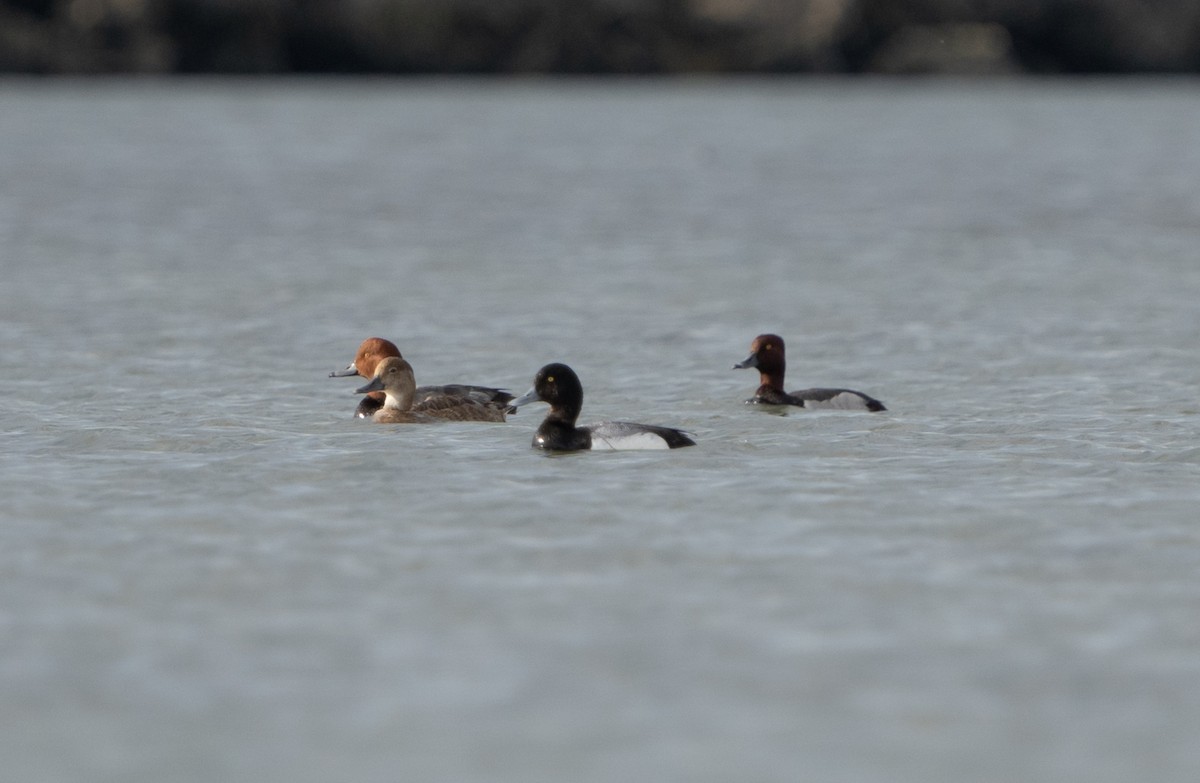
946	48
598	36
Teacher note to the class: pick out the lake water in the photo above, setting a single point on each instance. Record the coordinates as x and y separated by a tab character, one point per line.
210	571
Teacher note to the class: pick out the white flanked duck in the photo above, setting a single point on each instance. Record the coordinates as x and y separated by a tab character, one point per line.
559	386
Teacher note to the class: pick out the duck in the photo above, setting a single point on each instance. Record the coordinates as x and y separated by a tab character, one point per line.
375	349
767	356
559	386
394	379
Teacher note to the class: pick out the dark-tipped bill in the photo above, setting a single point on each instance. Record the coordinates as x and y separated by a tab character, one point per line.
375	384
524	399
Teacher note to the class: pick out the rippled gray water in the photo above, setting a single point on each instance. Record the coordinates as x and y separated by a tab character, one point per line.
211	572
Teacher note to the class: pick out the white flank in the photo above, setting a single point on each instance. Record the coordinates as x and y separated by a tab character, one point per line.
633	441
846	401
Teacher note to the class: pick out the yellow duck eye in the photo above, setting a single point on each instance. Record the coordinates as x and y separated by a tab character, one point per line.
550	379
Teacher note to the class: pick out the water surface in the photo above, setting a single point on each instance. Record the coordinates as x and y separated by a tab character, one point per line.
211	572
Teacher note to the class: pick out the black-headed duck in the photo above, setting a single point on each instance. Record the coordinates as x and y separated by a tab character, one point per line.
558	385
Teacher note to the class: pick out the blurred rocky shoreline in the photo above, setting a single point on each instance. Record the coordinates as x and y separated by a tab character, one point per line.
599	36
